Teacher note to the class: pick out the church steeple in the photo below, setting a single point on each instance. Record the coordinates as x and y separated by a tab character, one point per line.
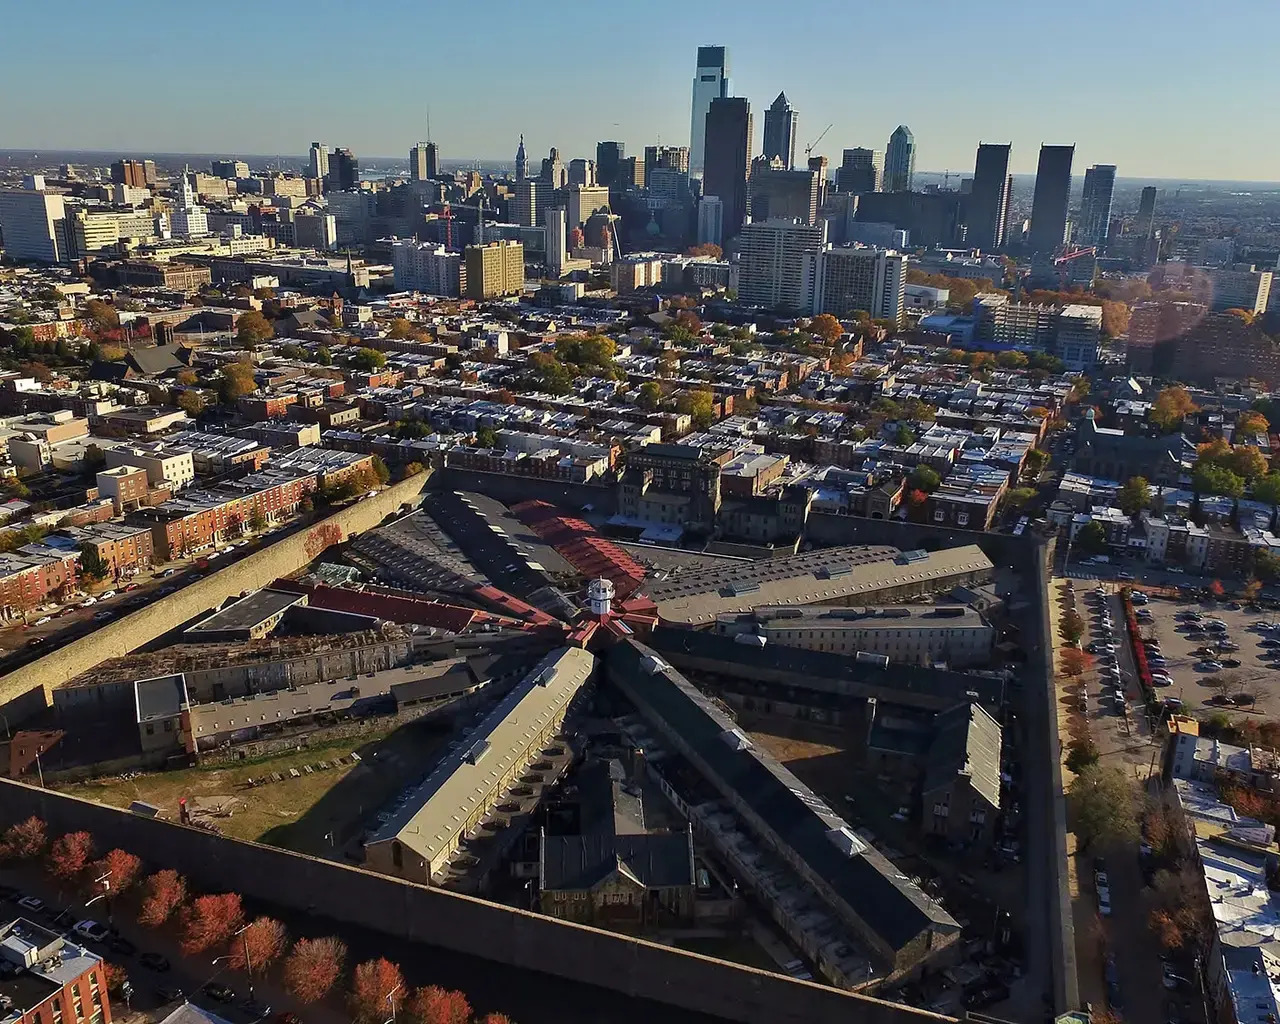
522	161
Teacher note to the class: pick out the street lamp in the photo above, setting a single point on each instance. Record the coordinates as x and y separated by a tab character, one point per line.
248	967
105	882
391	1003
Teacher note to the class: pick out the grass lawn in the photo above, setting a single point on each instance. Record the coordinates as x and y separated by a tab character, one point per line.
255	812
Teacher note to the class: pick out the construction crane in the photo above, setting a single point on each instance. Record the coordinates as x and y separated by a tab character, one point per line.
809	148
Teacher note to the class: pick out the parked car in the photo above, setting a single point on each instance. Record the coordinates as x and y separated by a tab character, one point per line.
169	994
106	595
1104	902
119	944
1211	666
44	620
154	962
92	930
220	992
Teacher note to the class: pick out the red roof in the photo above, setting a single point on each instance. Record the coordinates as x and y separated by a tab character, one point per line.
582	547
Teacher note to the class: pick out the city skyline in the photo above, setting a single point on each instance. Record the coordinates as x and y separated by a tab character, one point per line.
1145	134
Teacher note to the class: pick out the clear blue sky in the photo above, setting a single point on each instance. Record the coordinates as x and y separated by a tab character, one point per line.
1162	88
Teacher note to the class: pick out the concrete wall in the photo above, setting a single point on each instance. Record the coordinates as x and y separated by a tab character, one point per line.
1002	548
413	913
27	689
511	490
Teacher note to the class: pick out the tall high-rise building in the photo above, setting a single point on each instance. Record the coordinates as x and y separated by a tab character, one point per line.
900	160
820	165
710	82
527	203
582	172
318	162
988	206
727	157
771	271
427	267
789	195
1145	222
189	218
34	223
584	200
344	170
1052	197
841	280
631	172
557	240
675	158
522	161
609	155
553	170
229	169
861	170
418	162
494	269
780	129
433	160
129	172
1095	204
710	220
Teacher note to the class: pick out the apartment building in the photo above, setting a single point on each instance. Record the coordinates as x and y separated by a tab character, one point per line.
843	280
771	271
494	270
49	979
163	464
428	267
34	223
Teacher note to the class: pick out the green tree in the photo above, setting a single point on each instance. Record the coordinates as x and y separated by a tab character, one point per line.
1216	480
237	380
904	435
253	328
486	437
1267	488
257	521
699	404
323	356
400	328
1092	538
1171	407
191	403
92	564
368	359
1071	626
1103	805
1016	497
380	471
649	395
1135	495
1012	360
924	478
1081	754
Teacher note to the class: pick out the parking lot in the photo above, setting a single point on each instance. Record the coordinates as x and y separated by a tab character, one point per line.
1216	656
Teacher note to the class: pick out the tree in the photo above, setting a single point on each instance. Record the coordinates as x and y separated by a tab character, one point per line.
115	976
649	396
1212	479
1181	897
1074	661
237	381
1035	461
24	840
69	856
208	921
924	478
1103	806
1246	461
1017	497
377	989
1252	423
312	968
1167	929
1092	538
826	327
1071	626
253	328
257	520
163	893
1081	754
1267	488
706	249
1171	407
261	944
699	404
191	402
1011	360
1216	588
400	328
1115	318
496	1018
368	359
103	315
323	356
432	1004
486	437
92	564
904	435
1266	566
1135	495
1251	590
121	869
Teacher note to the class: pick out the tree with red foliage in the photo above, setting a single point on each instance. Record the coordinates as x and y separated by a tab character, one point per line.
689	320
1074	661
260	945
163	893
1216	588
24	840
377	989
121	869
69	856
115	977
435	1005
322	536
208	921
496	1018
313	966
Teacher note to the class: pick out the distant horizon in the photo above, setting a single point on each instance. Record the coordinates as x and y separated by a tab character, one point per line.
301	159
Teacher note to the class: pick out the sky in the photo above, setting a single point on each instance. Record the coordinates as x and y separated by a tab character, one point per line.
1161	88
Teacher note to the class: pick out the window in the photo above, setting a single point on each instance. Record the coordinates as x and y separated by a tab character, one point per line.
397	854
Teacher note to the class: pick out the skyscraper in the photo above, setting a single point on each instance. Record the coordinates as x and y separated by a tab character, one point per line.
1095	204
418	162
1144	223
344	170
608	156
860	171
34	223
675	158
557	238
789	195
553	169
710	82
900	160
989	199
433	160
771	272
129	172
1051	199
582	172
522	161
780	128
727	157
318	163
710	220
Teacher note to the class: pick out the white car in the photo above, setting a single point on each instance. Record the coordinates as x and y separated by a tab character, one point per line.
44	620
88	601
1104	902
89	929
106	595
